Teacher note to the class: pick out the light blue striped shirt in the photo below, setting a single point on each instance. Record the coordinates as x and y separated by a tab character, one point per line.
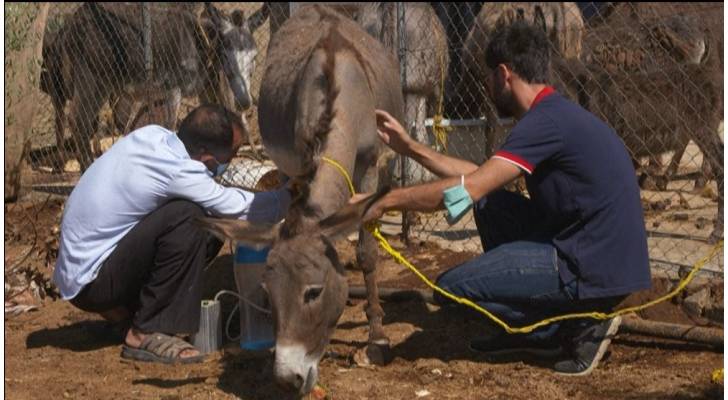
140	173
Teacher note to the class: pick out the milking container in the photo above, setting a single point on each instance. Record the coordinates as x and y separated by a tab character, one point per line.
256	322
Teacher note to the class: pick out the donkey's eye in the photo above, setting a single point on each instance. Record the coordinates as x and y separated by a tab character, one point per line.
312	293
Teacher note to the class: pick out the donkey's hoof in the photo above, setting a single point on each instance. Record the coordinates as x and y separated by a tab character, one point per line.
379	353
648	182
661	183
373	354
700	184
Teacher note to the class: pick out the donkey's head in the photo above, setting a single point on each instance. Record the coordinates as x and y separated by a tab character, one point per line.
234	44
306	286
682	38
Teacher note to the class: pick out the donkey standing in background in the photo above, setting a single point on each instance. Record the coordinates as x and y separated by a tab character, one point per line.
656	40
98	56
659	97
427	62
323	79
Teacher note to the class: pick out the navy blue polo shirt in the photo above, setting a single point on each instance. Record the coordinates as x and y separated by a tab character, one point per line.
579	173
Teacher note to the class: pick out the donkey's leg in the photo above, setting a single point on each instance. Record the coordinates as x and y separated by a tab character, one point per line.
672	168
420	102
89	96
123	110
706	172
172	104
654	172
415	111
366	254
61	156
712	148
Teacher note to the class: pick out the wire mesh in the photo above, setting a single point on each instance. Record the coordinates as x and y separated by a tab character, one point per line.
653	71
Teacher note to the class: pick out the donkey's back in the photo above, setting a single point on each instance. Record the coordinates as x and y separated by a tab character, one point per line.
323	69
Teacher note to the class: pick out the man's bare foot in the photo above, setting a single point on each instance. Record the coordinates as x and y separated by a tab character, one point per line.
134	338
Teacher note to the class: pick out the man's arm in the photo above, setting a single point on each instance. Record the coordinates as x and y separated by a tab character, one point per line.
429	197
394	135
194	184
440	164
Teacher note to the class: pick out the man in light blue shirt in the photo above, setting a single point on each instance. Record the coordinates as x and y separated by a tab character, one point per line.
128	249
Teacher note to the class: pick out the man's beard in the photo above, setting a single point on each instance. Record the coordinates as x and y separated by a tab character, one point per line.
505	104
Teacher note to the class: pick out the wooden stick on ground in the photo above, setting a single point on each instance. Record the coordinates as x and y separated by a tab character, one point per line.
688	333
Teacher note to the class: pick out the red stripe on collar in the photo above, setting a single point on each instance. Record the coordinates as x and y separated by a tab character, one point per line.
542	94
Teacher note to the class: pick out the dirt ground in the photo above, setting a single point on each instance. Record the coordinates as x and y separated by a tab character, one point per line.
58	351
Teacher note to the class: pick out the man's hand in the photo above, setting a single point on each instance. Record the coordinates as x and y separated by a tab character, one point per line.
393	134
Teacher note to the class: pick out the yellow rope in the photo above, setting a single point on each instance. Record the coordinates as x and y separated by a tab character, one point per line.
440	131
343	173
530	328
717	377
374	229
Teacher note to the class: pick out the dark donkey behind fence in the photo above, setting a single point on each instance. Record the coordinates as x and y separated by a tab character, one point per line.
669	94
323	79
98	56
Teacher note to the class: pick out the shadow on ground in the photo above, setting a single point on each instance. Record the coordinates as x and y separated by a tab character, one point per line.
80	336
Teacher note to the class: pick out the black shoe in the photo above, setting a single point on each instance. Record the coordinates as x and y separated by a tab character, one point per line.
509	344
589	347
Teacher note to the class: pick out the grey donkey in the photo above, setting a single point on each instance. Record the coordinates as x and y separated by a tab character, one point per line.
324	77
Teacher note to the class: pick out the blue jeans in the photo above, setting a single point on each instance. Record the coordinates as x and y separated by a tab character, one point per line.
517	276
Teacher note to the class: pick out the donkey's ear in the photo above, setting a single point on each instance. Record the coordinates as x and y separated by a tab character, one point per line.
213	12
670	40
257	236
209	28
258	17
238	18
217	18
348	218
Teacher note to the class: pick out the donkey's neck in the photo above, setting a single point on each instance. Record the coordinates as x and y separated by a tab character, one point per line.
329	190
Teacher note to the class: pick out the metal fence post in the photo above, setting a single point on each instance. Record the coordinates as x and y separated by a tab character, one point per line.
402	46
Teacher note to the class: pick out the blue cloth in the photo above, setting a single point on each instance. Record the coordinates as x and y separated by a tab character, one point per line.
580	177
141	172
457	201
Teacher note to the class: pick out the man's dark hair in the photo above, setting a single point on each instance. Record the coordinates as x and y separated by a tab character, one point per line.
524	48
209	126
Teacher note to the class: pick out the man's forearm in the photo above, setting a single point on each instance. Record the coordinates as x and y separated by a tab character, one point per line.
426	197
440	164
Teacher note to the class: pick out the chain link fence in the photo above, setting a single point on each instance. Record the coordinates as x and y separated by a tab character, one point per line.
652	71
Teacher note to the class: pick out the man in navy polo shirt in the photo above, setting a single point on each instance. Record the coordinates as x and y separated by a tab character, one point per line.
578	243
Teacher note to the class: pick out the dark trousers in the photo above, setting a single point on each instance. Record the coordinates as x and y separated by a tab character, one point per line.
517	276
155	271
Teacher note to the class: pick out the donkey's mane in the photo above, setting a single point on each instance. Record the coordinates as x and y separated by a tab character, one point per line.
332	44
